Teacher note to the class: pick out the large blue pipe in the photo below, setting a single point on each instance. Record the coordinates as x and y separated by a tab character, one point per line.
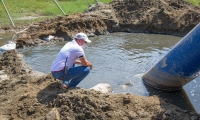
179	66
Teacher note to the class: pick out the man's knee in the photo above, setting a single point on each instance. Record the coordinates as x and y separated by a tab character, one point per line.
87	70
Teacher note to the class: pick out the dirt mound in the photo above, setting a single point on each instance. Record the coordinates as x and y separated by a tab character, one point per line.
27	96
175	17
13	63
83	104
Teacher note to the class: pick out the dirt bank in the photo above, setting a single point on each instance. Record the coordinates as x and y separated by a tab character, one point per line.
174	17
26	94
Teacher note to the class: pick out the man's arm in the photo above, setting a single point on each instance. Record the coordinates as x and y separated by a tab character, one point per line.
85	62
77	62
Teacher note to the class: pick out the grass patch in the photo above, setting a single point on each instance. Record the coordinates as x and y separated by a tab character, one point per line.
36	8
195	2
46	8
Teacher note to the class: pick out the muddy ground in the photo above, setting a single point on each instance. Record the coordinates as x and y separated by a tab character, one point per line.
174	17
28	95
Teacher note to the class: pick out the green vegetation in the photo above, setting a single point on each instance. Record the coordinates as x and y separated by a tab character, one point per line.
21	10
195	2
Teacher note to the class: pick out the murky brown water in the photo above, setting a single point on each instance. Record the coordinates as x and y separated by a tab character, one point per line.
120	59
4	38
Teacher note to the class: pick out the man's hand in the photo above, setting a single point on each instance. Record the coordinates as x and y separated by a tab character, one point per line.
90	67
85	62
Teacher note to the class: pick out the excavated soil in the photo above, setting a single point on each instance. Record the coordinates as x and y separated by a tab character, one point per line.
27	95
174	17
31	95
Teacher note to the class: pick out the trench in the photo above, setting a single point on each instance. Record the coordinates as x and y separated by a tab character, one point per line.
120	59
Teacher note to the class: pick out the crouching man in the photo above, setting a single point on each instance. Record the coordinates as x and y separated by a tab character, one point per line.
63	67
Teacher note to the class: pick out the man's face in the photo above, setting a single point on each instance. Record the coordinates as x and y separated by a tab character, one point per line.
81	42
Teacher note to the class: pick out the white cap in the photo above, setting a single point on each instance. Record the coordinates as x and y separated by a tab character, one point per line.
82	36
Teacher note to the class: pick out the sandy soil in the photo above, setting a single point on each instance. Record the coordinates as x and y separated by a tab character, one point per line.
27	94
30	95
